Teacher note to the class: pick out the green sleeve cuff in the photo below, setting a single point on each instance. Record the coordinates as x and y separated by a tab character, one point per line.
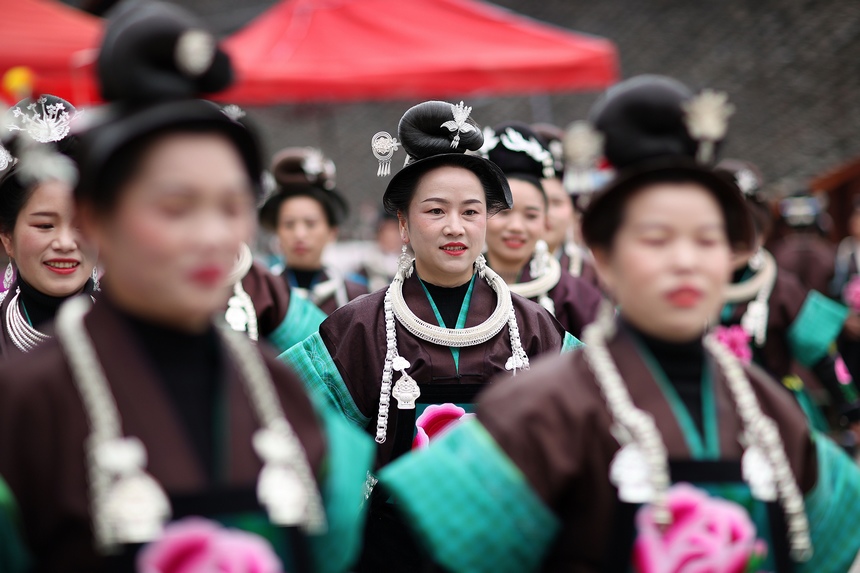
313	364
14	557
303	319
817	325
470	505
832	508
348	463
570	342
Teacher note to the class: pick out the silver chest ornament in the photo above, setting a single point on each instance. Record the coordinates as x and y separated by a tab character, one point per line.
629	473
236	316
135	507
279	487
406	390
759	474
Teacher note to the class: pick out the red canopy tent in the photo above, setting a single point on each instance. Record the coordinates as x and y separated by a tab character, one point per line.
346	50
54	41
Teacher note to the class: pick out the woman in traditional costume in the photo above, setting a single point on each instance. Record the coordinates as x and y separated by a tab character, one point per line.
305	212
770	318
144	407
405	362
516	248
576	465
49	259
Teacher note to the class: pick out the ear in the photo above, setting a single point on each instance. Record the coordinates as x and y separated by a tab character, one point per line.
7	245
603	266
332	235
403	226
91	224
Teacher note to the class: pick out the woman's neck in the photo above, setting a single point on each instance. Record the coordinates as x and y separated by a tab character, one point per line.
509	270
441	278
40	308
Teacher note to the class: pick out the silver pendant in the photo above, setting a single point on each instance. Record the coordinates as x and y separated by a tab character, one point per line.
758	473
279	488
236	315
754	320
406	391
514	363
135	508
630	474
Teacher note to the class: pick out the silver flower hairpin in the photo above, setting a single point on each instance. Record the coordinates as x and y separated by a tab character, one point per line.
6	158
50	123
458	125
491	141
515	141
233	111
384	146
707	119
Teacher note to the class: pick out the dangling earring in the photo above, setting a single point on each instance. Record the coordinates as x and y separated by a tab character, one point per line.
96	279
481	265
8	276
404	262
756	261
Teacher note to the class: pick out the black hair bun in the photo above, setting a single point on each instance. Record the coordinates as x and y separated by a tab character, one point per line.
430	128
642	119
155	51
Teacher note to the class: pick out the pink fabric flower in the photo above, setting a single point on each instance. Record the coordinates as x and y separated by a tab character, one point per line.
707	535
195	545
736	339
842	373
851	294
435	420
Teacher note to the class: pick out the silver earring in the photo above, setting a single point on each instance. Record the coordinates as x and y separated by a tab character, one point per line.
8	276
404	262
96	279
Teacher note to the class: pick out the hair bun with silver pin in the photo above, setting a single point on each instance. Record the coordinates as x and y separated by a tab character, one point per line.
163	53
435	127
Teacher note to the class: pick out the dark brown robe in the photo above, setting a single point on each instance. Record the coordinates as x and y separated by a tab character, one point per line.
810	257
355	338
271	297
587	272
43	428
784	305
330	304
576	301
553	423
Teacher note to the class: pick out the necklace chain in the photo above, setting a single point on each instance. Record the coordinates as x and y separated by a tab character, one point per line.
106	429
634	425
395	307
23	336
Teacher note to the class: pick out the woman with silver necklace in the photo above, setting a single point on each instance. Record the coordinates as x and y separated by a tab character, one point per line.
305	211
148	435
652	448
776	322
406	362
50	261
516	248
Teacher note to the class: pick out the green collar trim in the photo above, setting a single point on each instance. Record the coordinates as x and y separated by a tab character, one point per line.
461	318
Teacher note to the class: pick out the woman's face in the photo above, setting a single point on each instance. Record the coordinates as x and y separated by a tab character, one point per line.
670	260
46	244
176	230
446	225
512	234
560	213
303	232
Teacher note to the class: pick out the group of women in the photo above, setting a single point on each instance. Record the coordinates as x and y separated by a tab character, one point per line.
168	404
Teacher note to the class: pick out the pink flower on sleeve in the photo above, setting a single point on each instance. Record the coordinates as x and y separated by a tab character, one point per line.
435	420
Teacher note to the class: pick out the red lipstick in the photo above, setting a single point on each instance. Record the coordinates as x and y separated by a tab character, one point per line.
454	249
208	276
62	266
684	297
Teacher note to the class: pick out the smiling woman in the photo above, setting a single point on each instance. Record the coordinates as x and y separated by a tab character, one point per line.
50	259
446	324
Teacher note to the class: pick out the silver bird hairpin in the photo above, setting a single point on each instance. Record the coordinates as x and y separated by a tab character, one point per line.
458	125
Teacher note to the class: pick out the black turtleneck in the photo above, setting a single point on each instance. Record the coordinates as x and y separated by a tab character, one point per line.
448	300
41	308
683	363
189	367
740	274
303	278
